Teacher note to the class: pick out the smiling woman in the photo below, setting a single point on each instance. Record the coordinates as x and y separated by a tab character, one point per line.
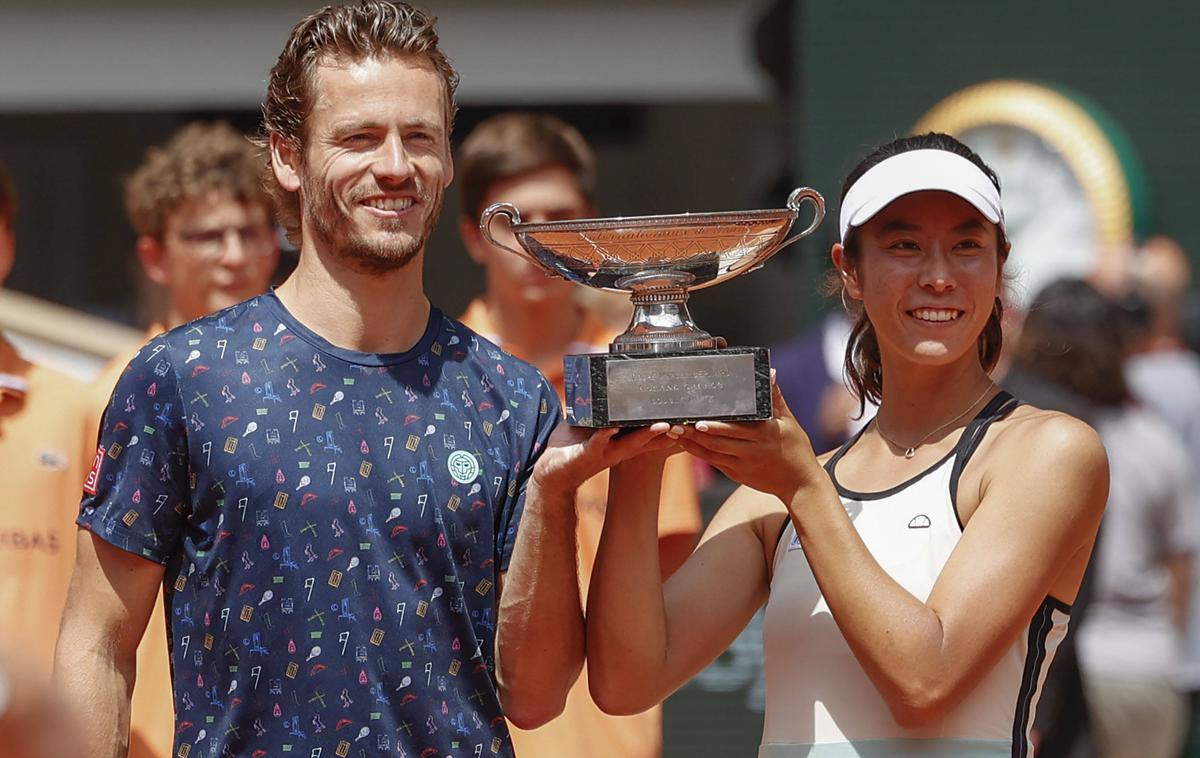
920	580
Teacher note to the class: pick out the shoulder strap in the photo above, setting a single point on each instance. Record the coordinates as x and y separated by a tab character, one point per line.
829	464
997	408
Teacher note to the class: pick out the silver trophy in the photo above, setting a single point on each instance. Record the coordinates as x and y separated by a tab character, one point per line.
662	367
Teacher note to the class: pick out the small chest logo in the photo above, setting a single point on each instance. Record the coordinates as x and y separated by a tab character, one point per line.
463	466
920	521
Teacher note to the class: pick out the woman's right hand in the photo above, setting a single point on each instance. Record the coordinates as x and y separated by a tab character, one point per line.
773	456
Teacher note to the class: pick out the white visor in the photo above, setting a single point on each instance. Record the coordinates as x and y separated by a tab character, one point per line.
916	171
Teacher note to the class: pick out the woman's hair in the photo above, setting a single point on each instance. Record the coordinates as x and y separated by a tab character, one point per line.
1076	338
863	365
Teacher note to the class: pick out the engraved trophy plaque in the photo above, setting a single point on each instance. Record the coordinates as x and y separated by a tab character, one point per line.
662	367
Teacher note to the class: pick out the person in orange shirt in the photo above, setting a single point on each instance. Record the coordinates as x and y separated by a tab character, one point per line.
41	467
206	236
544	167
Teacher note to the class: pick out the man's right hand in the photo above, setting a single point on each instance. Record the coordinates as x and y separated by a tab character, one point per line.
574	454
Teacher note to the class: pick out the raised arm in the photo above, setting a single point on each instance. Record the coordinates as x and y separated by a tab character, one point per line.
111	596
644	639
1039	507
539	634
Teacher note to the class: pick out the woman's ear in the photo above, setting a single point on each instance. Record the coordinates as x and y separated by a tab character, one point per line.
847	271
1000	265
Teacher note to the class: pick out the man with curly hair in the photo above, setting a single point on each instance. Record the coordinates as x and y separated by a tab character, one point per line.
205	231
205	236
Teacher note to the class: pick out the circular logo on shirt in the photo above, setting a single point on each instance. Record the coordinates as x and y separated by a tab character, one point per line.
464	467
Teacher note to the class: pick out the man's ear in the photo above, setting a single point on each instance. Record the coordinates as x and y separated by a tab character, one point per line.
285	162
153	256
847	271
478	248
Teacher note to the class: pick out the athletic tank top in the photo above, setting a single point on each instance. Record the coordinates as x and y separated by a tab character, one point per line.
821	704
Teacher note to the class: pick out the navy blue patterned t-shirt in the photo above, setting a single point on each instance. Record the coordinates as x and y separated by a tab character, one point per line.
333	525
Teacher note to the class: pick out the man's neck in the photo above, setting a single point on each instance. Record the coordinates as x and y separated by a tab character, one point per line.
538	332
356	310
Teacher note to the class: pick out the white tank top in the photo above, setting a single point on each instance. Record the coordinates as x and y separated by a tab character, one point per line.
821	704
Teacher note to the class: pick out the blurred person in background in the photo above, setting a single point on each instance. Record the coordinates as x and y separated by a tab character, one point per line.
544	167
206	236
205	230
1129	644
41	467
1164	374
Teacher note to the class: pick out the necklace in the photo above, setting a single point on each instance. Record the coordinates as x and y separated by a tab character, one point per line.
910	451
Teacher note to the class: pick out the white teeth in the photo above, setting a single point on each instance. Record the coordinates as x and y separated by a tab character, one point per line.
391	203
934	314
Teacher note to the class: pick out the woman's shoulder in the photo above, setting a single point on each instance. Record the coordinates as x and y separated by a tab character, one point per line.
1036	439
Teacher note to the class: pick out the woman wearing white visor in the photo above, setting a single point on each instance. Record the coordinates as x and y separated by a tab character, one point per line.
919	578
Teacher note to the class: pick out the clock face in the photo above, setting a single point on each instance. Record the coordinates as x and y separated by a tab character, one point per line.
1048	218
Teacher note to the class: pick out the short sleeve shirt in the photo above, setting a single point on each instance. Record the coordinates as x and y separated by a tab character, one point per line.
332	525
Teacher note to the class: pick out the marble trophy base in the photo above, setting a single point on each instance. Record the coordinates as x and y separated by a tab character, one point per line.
639	389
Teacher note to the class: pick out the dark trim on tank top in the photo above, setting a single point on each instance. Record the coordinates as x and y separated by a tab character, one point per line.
984	414
782	531
1039	630
864	496
972	437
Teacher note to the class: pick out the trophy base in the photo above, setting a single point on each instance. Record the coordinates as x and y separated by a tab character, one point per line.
639	389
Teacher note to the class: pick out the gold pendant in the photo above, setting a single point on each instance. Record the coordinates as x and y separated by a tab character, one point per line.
910	452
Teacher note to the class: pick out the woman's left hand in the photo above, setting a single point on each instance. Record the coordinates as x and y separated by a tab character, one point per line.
773	456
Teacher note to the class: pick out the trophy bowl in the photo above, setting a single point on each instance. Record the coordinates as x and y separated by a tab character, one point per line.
662	367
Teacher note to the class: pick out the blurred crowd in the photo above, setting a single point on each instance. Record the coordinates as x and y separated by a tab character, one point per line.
1118	351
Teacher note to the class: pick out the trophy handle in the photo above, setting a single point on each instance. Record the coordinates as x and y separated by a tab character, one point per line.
509	211
794	203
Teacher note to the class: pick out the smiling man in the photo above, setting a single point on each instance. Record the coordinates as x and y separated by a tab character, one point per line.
327	481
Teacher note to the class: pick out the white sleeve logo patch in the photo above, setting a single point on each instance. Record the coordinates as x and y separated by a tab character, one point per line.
463	466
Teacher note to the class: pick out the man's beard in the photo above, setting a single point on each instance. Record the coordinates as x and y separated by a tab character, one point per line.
373	256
